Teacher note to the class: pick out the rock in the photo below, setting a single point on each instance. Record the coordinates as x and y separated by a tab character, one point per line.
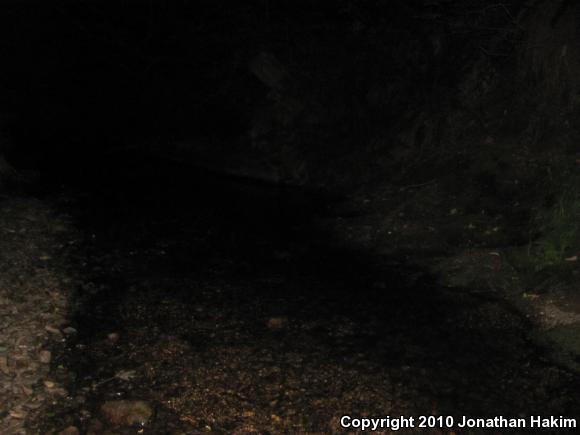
17	413
126	375
45	356
26	390
277	323
69	330
52	329
113	337
127	412
282	255
4	365
71	430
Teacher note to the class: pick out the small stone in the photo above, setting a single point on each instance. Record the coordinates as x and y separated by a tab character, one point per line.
127	412
33	404
49	384
282	255
59	392
113	337
71	430
45	356
69	330
277	323
125	375
52	329
17	413
4	365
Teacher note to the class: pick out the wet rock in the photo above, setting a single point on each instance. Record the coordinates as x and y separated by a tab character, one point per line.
71	430
45	356
127	412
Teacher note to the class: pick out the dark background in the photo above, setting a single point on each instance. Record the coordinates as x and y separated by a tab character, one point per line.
363	86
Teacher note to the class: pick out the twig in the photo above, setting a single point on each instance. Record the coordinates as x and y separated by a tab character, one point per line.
415	186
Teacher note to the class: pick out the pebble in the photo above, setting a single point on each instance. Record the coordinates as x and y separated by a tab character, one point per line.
276	323
4	365
17	413
45	356
69	330
52	329
127	412
71	430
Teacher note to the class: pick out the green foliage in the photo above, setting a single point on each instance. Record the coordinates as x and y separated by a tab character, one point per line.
558	229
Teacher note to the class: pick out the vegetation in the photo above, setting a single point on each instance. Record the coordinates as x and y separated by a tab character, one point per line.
554	226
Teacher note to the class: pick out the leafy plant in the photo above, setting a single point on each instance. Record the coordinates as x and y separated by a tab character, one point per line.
558	228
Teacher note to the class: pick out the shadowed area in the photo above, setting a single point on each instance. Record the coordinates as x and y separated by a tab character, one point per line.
235	301
260	217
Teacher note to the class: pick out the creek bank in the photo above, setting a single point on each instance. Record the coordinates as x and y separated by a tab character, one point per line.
37	286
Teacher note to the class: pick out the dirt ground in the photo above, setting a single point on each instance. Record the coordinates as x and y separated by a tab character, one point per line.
35	295
245	309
